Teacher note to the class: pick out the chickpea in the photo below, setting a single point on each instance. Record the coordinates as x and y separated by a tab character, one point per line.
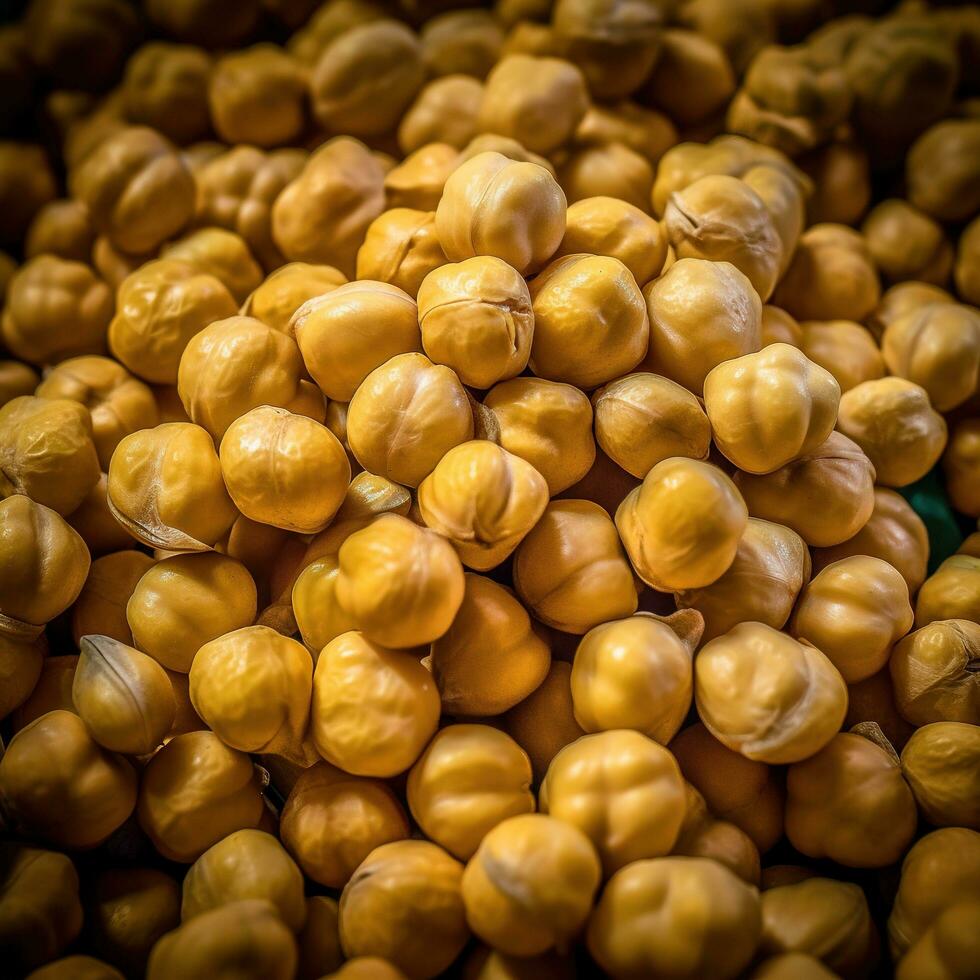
845	349
195	792
323	214
27	183
461	41
43	295
45	564
947	947
16	379
248	937
941	762
951	592
59	784
165	488
607	170
217	23
768	696
93	520
21	662
778	327
374	709
328	22
792	966
444	112
504	145
675	917
220	253
530	885
314	603
645	130
401	248
548	424
939	170
966	272
319	939
701	313
692	78
961	465
40	913
418	181
332	821
484	963
382	912
284	291
62	228
52	692
907	244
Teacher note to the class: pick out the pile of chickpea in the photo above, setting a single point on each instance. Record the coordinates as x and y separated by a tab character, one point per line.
449	469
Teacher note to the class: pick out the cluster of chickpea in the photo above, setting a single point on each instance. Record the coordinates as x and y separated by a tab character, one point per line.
448	490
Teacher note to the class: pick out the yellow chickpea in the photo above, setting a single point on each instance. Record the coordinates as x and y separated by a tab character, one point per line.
401	248
418	181
284	291
165	488
548	424
951	592
792	966
28	181
461	41
93	520
675	917
692	77
530	885
907	244
220	253
961	464
468	780
636	674
194	792
510	148
607	170
314	603
52	692
61	785
404	903
373	709
496	206
444	112
941	762
768	696
319	939
778	327
847	350
649	132
20	669
16	379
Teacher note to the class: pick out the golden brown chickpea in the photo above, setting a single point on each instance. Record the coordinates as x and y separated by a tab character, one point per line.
531	884
329	21
902	299
636	674
907	244
194	792
610	170
93	520
245	937
940	171
444	113
20	669
549	425
284	291
469	779
400	248
951	592
645	130
934	675
165	488
123	696
52	692
948	948
324	212
845	349
841	183
161	306
332	821
745	793
418	181
404	903
461	41
257	95
26	185
215	23
46	293
966	272
824	918
16	379
571	569
504	145
319	939
484	963
490	658
61	228
961	465
493	205
59	784
837	474
678	917
941	762
406	415
220	253
40	913
692	78
804	696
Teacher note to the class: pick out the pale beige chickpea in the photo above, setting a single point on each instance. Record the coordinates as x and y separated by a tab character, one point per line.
768	696
461	41
117	402
571	569
907	244
675	917
849	802
62	228
941	762
770	568
257	95
607	170
636	673
401	248
490	659
138	190
323	214
951	592
284	291
692	78
845	349
405	416
444	111
961	465
493	205
468	780
365	78
892	420
43	295
548	424
220	253
701	313
682	525
418	181
826	496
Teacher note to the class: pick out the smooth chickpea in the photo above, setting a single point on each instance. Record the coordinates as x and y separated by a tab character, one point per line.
61	785
404	903
44	566
165	488
314	603
401	248
607	170
21	662
28	184
444	112
778	327
768	696
948	948
194	792
675	917
845	349
319	939
284	291
93	520
62	228
692	78
649	132
934	676
373	709
418	181
907	244
530	885
215	23
16	379
248	937
466	41
902	299
961	465
496	206
184	601
826	496
792	966
966	272
468	780
951	592
939	172
332	821
941	762
52	692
